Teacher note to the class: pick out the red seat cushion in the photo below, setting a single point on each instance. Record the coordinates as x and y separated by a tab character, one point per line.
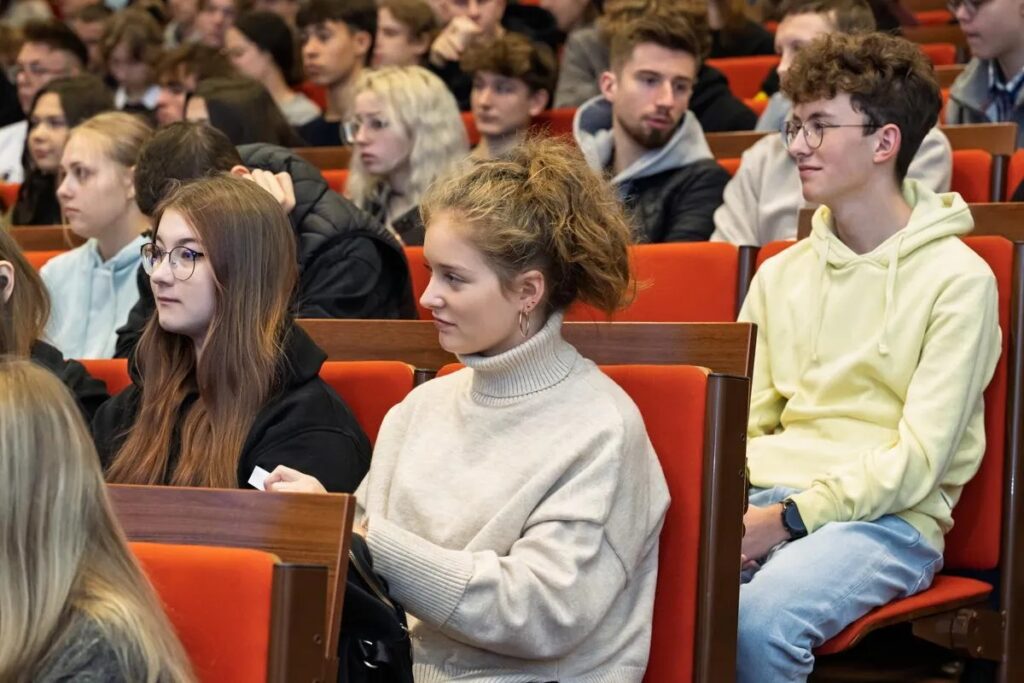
686	282
940	54
1015	175
745	74
37	259
8	195
772	249
730	165
420	276
946	592
219	602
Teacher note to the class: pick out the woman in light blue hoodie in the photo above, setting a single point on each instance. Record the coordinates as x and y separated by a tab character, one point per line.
93	287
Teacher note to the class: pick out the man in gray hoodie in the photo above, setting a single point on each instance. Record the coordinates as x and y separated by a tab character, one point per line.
638	131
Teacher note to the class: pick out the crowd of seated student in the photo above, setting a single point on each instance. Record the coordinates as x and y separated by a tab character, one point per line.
762	201
513	81
58	107
89	23
92	287
406	132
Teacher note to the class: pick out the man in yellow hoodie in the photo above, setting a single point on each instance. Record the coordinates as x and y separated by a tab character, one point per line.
876	339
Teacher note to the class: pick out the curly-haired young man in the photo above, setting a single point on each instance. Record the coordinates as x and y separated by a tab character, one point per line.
876	338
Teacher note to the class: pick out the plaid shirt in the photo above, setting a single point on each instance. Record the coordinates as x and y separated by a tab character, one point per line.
1004	93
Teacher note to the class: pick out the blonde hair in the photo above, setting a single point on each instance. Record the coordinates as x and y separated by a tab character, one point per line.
63	556
540	206
424	107
121	134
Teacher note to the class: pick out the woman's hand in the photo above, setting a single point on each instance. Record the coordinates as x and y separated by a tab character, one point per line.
285	479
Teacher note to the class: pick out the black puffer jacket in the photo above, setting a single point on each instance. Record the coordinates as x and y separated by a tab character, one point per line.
349	265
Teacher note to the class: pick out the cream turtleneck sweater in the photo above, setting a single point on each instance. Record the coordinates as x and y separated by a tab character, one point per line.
514	508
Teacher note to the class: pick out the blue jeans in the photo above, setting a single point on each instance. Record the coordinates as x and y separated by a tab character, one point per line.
807	591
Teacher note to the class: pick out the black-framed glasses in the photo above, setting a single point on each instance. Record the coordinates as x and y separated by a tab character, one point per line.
971	6
814	131
183	260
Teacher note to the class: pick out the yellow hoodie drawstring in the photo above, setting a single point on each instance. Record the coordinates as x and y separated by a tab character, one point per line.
890	293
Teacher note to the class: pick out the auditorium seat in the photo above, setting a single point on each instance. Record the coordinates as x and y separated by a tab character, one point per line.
112	371
940	54
336	179
972	175
37	259
1015	173
730	165
8	195
370	388
230	609
745	74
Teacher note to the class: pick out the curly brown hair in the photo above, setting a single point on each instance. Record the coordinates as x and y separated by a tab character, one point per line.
888	79
540	206
514	56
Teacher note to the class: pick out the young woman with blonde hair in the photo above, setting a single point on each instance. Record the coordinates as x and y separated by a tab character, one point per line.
514	507
24	310
93	287
226	381
74	604
407	131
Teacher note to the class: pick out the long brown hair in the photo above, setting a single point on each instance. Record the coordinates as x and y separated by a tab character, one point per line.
250	247
22	317
63	555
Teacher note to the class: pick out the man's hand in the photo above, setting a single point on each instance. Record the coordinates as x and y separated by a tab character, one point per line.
453	40
277	184
764	531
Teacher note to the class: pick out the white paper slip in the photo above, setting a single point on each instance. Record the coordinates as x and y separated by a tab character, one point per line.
257	478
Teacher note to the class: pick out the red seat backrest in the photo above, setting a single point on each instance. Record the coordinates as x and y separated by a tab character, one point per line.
974	542
37	259
940	54
672	400
219	602
471	132
772	249
370	388
420	277
113	372
681	282
756	104
745	74
336	179
972	175
8	194
1015	174
556	121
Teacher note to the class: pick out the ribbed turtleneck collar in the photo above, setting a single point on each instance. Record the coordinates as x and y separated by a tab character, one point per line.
540	362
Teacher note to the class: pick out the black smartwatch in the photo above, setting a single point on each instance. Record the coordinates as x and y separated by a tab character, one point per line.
792	521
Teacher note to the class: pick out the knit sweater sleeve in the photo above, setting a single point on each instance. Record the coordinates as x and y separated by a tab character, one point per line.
554	585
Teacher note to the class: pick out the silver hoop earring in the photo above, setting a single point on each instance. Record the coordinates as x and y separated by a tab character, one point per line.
524	323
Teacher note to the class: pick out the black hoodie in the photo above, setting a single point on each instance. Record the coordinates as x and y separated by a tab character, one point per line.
89	392
304	425
350	266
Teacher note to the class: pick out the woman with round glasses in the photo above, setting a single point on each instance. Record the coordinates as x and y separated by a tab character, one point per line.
407	131
93	287
226	383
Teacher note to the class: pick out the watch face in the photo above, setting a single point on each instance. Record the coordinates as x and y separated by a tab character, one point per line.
793	519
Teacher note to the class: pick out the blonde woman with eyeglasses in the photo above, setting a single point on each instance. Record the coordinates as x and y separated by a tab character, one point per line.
74	605
407	131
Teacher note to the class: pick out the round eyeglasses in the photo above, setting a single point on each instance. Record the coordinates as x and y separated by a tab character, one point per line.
814	131
182	259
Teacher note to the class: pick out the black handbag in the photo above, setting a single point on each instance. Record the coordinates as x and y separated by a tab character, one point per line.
374	646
